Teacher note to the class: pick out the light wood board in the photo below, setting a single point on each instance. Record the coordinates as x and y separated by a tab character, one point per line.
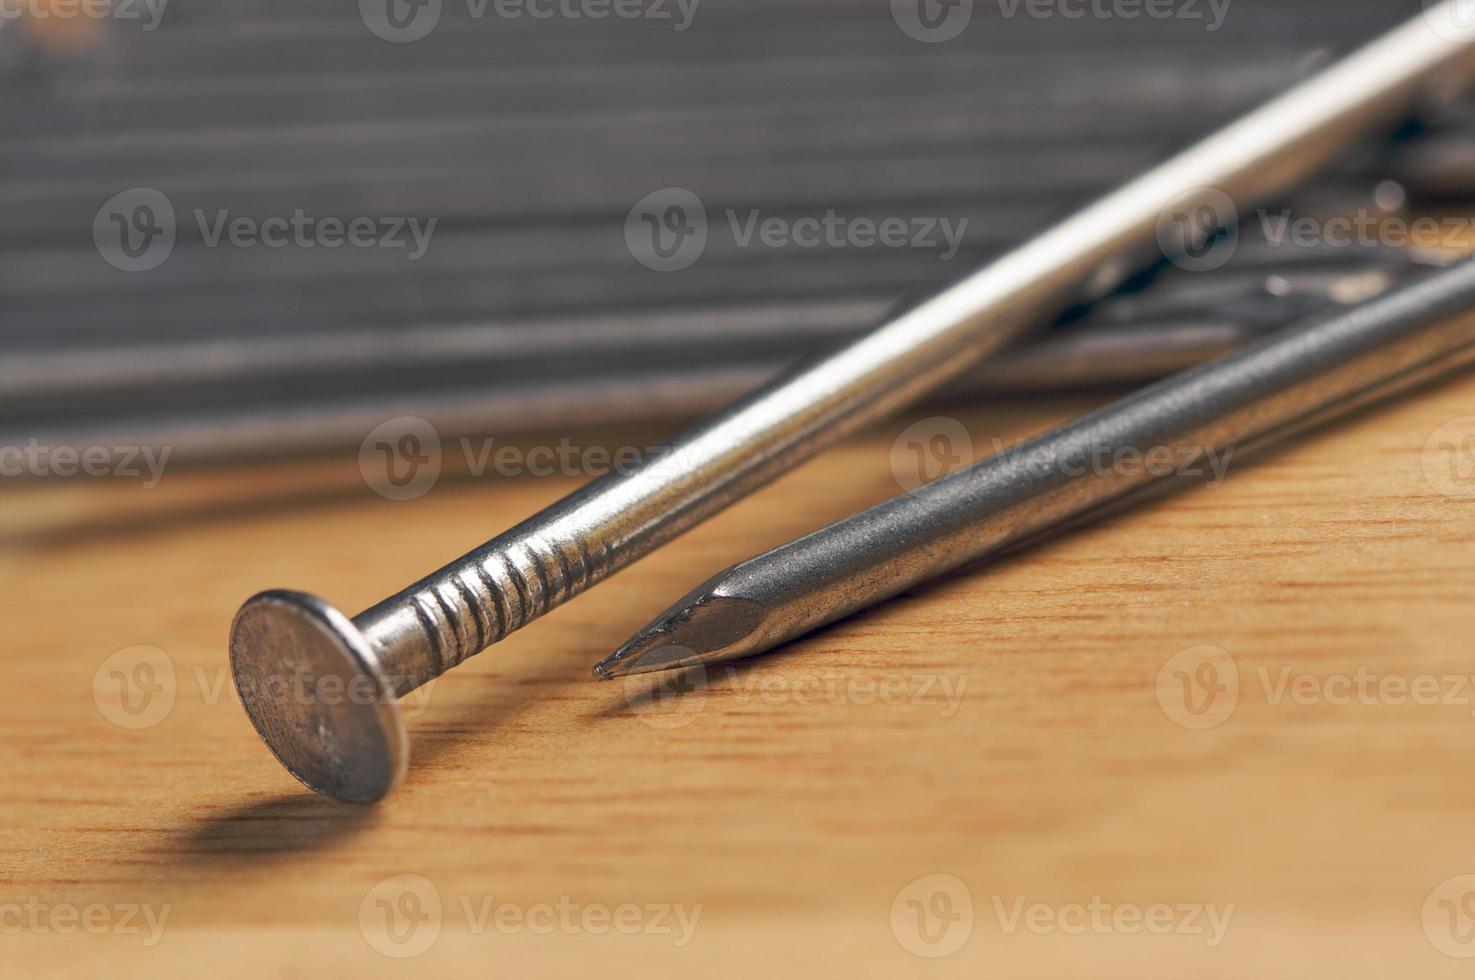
1004	727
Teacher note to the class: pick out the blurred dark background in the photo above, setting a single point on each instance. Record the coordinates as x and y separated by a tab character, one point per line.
551	211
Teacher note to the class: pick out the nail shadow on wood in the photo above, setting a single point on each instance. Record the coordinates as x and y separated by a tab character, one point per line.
277	826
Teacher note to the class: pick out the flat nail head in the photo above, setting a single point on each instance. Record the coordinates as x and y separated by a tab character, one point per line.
314	691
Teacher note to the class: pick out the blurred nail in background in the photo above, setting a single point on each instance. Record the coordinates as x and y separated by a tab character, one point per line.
238	230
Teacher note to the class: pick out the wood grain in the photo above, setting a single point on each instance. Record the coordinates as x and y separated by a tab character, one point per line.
1003	727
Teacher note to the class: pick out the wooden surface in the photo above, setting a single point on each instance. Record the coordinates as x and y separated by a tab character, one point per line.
793	799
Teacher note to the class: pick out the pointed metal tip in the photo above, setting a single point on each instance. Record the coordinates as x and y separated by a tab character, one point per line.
701	628
643	653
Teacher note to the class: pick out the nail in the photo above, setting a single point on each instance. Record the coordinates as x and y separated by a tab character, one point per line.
323	690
